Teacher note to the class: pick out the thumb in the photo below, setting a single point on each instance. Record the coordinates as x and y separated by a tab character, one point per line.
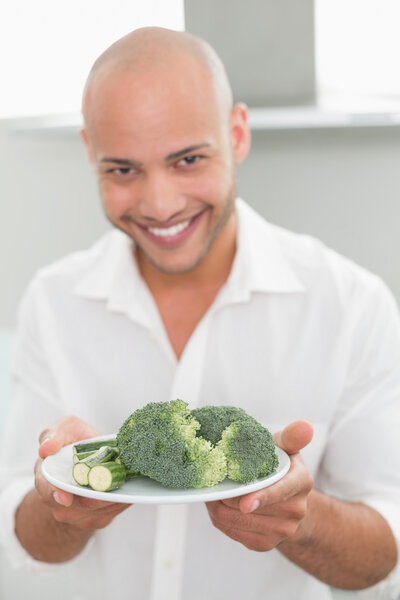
294	437
66	431
50	443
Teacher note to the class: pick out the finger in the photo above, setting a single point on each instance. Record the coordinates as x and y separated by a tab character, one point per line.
114	508
232	502
226	519
294	437
222	516
298	480
293	508
63	498
48	492
51	444
90	518
95	504
268	530
251	540
65	431
51	495
259	542
98	520
276	493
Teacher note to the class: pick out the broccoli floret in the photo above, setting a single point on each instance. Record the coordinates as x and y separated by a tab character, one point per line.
249	451
159	440
215	419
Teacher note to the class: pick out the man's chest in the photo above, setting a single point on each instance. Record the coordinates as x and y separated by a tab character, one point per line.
277	362
182	311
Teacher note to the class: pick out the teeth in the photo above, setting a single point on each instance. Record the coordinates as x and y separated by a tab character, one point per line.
170	231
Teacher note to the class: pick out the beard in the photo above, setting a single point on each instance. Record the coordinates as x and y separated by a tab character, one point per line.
228	208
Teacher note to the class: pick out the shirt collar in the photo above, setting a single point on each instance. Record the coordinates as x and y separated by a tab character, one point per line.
259	266
114	277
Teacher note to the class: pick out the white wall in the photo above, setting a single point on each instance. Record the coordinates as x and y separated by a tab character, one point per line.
341	185
49	207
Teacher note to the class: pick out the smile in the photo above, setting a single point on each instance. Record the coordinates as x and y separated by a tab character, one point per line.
169	231
173	236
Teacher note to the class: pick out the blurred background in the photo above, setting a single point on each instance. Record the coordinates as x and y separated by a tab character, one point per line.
322	84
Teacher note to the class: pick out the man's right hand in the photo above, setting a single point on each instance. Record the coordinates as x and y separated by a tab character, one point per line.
84	513
54	525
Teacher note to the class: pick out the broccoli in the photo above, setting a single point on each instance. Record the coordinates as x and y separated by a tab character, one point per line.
249	451
159	441
215	419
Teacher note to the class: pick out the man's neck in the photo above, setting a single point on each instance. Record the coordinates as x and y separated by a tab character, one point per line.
184	298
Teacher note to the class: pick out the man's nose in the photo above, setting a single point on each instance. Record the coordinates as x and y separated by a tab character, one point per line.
160	199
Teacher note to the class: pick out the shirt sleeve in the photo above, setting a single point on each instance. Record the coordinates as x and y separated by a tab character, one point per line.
34	407
362	456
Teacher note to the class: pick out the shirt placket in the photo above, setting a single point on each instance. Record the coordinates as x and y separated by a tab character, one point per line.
170	541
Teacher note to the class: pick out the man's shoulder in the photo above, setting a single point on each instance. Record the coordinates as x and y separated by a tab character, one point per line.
68	271
316	264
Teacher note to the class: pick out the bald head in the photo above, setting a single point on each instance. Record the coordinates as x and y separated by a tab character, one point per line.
151	48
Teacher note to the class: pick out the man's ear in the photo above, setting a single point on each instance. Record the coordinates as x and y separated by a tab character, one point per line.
240	132
88	147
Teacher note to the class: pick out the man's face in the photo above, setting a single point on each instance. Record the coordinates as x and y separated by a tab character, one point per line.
162	149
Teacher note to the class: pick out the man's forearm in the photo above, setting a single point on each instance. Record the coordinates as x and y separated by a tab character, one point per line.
347	545
42	536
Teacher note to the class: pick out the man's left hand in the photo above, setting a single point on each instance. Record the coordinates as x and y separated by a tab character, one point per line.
263	519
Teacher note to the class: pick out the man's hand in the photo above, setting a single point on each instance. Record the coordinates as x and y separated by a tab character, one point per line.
263	519
84	513
54	525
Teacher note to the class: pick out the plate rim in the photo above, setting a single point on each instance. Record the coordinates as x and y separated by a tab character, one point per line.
172	496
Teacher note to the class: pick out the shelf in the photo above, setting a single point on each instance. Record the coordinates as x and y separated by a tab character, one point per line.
65	124
259	119
318	118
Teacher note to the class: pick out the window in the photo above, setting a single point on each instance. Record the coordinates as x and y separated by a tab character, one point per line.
47	47
357	51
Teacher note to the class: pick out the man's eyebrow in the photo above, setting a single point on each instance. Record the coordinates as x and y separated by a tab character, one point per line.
184	151
125	162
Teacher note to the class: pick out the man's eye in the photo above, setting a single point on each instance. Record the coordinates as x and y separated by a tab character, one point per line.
189	160
123	171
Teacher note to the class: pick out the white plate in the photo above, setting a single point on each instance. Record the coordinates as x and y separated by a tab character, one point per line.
57	469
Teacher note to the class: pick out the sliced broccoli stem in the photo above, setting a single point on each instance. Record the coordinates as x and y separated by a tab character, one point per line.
91	446
107	476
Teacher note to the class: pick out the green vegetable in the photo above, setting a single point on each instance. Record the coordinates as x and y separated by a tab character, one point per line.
249	451
159	441
179	448
215	419
129	474
107	476
103	454
132	474
82	455
91	446
80	471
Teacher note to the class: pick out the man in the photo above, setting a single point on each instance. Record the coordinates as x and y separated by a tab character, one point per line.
199	298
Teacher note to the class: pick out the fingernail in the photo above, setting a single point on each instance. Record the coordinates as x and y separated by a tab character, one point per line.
47	437
57	498
256	504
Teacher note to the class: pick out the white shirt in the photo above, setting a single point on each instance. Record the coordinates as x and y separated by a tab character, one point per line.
297	332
